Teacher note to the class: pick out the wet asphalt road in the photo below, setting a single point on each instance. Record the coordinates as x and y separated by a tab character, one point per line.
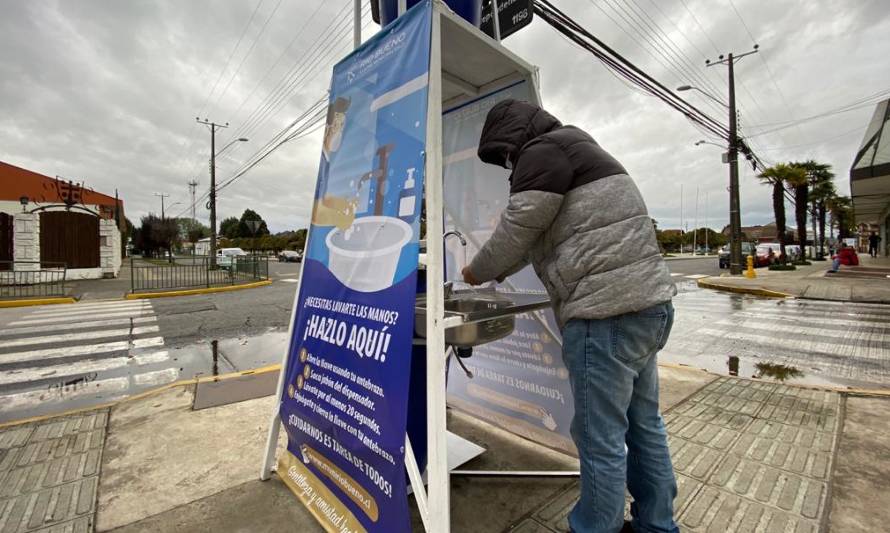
58	358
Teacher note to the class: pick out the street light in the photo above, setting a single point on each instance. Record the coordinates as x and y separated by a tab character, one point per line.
240	139
693	88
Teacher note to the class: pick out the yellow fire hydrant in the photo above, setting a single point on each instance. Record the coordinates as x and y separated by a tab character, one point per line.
749	273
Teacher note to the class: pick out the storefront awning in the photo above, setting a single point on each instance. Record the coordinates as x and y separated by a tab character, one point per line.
870	173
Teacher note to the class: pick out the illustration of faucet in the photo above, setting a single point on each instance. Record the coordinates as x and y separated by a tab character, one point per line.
380	174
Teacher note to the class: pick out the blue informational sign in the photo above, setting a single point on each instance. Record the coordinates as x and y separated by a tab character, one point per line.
520	382
346	394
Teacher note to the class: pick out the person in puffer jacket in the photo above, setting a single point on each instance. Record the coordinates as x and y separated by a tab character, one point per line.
579	219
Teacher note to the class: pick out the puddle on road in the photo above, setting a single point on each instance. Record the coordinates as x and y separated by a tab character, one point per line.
143	370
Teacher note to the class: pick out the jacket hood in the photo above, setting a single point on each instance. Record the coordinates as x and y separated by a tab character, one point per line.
509	126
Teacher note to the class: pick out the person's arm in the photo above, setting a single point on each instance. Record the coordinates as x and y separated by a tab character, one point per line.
540	180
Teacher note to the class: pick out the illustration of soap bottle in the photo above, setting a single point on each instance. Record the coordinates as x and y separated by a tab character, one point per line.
408	199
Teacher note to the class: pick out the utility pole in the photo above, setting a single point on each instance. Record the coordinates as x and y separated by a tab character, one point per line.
162	196
213	127
735	219
695	226
193	187
681	219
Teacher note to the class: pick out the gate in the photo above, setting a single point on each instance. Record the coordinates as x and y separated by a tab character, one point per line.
69	238
7	230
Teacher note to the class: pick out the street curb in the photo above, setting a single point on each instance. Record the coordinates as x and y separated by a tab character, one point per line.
756	291
191	292
145	394
37	301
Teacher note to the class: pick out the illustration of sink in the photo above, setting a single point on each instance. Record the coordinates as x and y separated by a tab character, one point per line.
364	257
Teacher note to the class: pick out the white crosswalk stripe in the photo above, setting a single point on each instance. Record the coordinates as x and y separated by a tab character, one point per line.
59	355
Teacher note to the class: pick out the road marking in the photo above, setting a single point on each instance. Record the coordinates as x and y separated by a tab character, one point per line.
290	280
72	351
87	312
11	332
62	319
105	389
698	276
81	367
676	274
74	337
77	308
157	378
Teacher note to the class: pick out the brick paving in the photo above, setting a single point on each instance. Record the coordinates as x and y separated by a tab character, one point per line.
748	455
49	472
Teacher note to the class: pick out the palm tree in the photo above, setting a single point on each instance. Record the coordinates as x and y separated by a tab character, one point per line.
822	189
815	174
777	176
841	209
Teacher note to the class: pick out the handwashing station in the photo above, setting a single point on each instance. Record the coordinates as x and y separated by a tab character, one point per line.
383	334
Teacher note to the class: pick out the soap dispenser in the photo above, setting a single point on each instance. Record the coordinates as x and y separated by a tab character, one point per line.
408	199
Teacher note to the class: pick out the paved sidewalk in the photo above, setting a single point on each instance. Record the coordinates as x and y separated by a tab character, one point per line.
811	282
750	455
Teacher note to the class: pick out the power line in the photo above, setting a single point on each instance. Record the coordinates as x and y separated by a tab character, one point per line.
615	61
187	144
249	51
323	52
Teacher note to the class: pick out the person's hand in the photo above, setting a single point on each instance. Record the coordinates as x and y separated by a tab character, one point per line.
469	277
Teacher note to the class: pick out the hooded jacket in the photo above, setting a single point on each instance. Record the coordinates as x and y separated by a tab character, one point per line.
574	214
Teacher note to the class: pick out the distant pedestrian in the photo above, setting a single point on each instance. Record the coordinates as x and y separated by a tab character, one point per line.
846	256
873	241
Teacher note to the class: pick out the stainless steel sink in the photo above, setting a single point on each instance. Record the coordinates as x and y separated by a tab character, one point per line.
468	305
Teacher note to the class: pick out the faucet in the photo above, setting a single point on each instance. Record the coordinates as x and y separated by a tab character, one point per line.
454	232
463	243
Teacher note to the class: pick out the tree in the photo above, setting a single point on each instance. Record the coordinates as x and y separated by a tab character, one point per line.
244	229
229	228
815	175
192	230
841	209
155	235
777	176
822	190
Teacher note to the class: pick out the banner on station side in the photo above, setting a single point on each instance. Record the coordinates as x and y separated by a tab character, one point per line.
346	391
520	382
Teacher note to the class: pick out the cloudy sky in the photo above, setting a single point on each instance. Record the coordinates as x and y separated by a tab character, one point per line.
107	92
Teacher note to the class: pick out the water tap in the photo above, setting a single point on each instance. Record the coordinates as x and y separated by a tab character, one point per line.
463	242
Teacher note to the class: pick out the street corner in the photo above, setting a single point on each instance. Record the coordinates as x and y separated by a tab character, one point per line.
28	302
196	292
728	285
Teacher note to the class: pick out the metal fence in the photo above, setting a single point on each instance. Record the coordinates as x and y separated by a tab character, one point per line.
197	272
31	279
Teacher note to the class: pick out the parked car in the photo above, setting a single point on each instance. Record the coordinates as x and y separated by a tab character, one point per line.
289	256
723	254
767	254
225	256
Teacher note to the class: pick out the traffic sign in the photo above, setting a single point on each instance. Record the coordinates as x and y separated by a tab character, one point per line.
513	16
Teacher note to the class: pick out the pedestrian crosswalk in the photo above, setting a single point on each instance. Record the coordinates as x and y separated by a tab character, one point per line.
819	342
688	276
80	352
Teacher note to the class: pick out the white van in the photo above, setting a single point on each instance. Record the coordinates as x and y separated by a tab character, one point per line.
224	256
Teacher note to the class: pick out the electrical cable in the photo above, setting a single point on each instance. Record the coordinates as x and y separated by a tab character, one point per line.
615	61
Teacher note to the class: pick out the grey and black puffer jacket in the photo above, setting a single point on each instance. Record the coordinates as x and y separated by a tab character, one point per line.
574	213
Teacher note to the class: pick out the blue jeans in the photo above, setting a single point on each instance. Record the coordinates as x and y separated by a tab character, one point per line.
614	378
835	264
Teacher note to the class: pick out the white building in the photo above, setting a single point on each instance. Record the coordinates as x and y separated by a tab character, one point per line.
47	223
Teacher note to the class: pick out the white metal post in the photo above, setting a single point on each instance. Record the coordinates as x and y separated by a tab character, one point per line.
357	23
275	422
439	486
496	20
403	6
